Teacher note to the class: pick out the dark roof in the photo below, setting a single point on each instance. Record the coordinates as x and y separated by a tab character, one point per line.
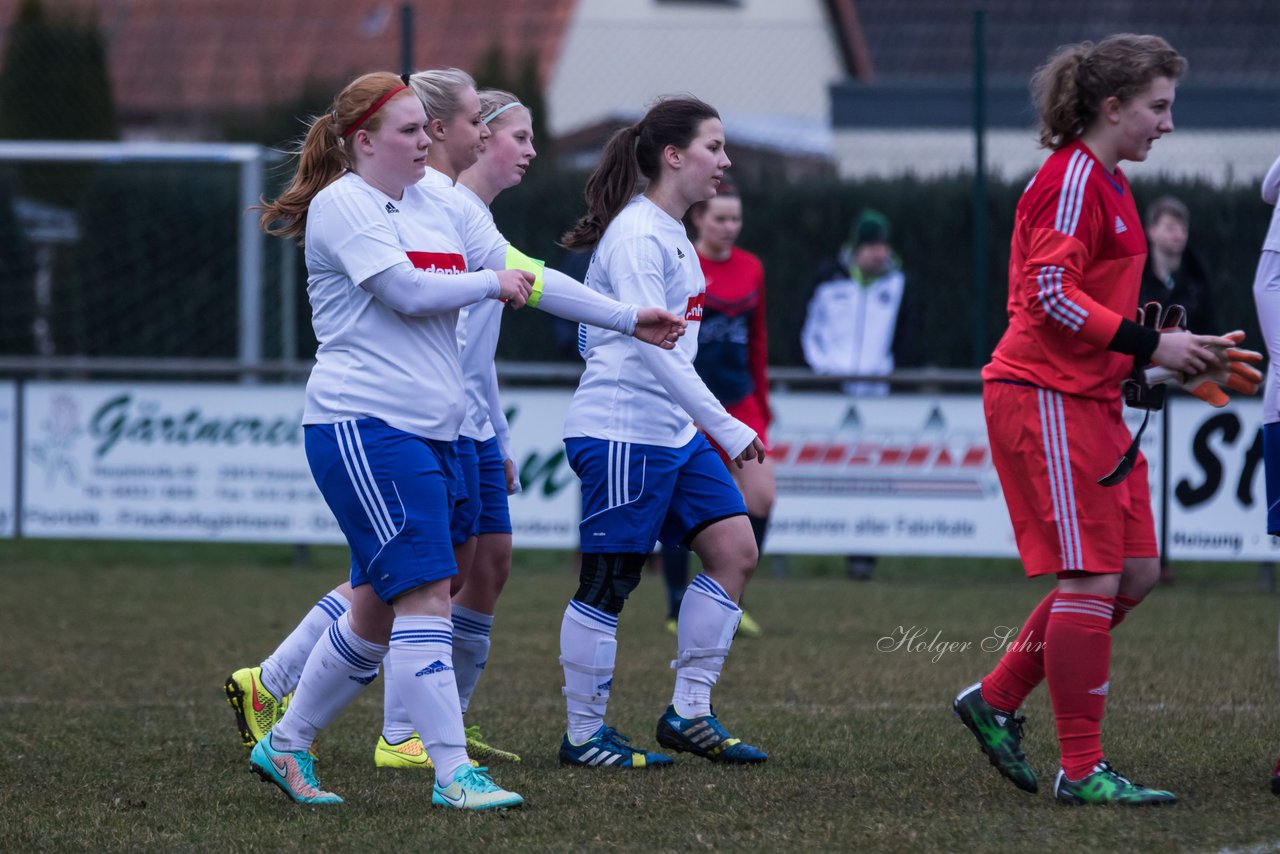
1227	42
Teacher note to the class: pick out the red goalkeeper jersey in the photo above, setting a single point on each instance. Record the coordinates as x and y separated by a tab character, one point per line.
1074	272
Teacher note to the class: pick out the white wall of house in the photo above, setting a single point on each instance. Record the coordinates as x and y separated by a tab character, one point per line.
1222	158
751	58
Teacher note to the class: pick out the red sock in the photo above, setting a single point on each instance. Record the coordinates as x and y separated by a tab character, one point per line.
1077	664
1124	604
1022	667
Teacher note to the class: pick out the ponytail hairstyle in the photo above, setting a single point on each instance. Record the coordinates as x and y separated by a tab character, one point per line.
440	91
634	152
1069	89
495	104
324	154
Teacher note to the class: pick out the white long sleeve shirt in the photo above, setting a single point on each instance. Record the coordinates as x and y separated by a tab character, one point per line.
1270	194
386	278
634	392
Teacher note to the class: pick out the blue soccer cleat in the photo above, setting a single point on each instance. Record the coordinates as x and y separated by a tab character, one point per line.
609	748
705	736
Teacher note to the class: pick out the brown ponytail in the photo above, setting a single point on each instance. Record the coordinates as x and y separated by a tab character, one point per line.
631	153
1069	89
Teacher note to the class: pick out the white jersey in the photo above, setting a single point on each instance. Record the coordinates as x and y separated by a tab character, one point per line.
373	361
1266	296
479	326
1270	195
634	392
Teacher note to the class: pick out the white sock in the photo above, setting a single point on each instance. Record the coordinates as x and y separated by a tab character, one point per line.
340	665
708	619
421	663
470	650
283	668
396	725
588	648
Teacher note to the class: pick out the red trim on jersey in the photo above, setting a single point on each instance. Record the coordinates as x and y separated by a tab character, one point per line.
438	262
693	310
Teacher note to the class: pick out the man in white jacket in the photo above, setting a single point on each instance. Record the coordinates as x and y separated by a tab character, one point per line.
850	325
854	310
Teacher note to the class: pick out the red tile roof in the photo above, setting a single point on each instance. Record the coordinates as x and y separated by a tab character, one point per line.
196	58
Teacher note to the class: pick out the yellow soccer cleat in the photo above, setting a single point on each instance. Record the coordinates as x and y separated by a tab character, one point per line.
407	754
749	628
257	710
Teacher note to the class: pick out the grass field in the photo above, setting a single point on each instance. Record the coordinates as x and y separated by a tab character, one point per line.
116	734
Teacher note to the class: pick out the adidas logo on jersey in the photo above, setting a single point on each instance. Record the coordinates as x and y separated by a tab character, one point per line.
1121	228
679	253
392	208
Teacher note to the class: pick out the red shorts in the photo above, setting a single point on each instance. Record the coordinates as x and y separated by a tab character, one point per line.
748	412
1049	450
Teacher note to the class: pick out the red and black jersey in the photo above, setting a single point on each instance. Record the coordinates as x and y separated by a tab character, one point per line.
1074	272
733	349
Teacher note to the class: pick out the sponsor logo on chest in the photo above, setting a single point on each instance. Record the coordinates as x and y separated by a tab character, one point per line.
693	311
438	262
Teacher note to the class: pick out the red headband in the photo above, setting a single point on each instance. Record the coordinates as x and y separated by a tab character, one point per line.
377	105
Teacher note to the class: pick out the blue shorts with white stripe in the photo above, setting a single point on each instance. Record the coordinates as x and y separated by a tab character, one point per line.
391	493
634	495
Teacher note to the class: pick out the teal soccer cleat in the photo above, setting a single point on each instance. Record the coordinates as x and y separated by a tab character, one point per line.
294	772
473	789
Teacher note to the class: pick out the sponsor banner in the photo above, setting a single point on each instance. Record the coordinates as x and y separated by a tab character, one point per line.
8	458
886	475
544	514
1217	493
169	461
907	475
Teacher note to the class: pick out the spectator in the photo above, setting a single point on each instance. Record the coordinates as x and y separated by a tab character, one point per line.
1174	274
851	321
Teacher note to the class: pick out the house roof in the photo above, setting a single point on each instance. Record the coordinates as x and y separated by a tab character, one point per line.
201	58
1227	42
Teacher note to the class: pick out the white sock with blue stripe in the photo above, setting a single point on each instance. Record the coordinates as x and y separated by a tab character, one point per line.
470	650
704	633
340	665
283	668
588	648
396	725
421	665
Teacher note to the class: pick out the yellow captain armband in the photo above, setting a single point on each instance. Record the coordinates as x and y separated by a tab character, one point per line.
517	260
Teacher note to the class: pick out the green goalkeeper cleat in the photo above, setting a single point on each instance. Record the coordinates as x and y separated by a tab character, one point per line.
999	734
1105	786
477	749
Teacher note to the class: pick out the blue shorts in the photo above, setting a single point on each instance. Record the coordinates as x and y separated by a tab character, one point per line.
495	511
485	509
465	521
391	493
633	495
1271	469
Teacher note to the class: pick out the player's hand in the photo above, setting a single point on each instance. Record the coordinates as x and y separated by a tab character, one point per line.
658	327
1233	370
514	287
1189	354
512	478
755	451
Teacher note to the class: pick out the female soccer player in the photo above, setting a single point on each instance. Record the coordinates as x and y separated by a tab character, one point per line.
385	403
456	135
1266	297
733	360
646	471
1053	406
386	276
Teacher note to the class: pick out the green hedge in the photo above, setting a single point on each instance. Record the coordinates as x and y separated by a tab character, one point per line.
156	271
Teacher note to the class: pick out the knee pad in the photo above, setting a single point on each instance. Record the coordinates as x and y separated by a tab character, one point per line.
607	580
